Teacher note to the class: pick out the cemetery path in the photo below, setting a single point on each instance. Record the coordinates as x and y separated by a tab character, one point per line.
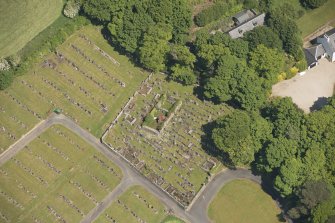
196	214
104	204
130	175
200	206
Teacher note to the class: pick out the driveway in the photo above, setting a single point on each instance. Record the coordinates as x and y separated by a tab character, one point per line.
309	91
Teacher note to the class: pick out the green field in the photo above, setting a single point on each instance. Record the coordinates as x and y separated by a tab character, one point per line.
174	159
243	201
134	205
56	174
316	18
21	21
85	81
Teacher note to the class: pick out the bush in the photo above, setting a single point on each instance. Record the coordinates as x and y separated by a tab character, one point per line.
313	3
4	65
215	12
14	60
6	78
71	9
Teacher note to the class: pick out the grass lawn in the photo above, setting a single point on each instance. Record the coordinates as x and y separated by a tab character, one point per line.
89	92
243	201
139	201
313	19
56	173
21	21
172	219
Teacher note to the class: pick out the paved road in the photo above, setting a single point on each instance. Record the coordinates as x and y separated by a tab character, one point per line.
196	214
199	208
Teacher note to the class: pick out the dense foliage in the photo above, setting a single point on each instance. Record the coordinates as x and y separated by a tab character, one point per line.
216	11
313	3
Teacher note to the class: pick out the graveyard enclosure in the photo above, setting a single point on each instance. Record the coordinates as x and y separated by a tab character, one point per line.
85	78
134	206
173	159
162	112
57	177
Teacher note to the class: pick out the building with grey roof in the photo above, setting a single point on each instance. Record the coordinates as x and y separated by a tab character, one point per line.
324	47
245	21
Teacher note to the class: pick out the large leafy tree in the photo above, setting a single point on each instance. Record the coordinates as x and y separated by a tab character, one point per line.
313	3
277	151
287	119
288	32
263	35
268	63
155	47
290	176
239	135
102	10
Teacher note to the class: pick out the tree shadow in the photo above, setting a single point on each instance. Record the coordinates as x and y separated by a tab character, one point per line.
108	37
319	104
210	148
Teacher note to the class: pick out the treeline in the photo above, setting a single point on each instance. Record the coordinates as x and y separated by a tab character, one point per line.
294	151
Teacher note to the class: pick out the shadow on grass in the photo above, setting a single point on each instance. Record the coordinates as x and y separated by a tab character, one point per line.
209	147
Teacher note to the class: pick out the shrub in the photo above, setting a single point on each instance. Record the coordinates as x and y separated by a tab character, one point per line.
71	8
6	78
215	12
14	60
313	3
4	65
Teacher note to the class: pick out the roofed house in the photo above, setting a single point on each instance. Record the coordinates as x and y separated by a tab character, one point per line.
324	47
328	42
313	54
245	21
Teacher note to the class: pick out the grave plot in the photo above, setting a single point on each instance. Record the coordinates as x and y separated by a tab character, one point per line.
85	78
171	157
136	205
56	178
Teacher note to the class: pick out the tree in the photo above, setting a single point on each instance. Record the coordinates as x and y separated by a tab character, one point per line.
182	55
183	74
287	119
313	193
155	47
268	63
314	164
265	36
313	3
71	8
102	10
288	32
289	177
277	151
240	136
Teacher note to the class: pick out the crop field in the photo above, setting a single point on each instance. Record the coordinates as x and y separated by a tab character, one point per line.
136	205
243	201
57	177
173	158
86	78
314	19
21	21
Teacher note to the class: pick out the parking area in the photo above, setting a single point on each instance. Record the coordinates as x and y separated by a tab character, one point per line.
309	91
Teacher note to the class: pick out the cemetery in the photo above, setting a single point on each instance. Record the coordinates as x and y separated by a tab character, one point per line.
171	157
136	205
85	78
55	178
